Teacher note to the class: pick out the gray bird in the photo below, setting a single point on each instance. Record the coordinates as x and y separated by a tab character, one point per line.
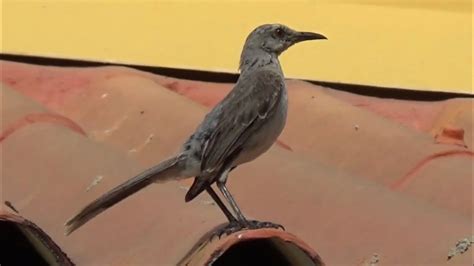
241	127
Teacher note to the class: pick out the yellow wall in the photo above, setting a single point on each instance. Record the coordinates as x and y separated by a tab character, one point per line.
405	43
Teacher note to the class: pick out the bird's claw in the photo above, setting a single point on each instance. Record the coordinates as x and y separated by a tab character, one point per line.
230	228
254	224
233	227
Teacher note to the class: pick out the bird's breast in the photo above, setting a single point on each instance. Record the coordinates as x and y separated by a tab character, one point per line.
264	138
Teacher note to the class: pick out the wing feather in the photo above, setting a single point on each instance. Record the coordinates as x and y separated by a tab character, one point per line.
246	109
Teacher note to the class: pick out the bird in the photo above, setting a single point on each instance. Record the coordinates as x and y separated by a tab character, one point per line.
241	127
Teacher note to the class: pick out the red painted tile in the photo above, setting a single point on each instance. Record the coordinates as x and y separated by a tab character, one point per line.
332	189
19	111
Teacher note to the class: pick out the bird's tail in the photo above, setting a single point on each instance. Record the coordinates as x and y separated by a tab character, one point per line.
166	170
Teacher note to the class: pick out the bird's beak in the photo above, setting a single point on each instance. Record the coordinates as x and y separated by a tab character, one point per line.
306	36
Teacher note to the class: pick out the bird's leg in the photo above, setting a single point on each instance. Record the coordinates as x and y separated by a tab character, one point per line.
241	222
253	224
221	205
233	225
240	217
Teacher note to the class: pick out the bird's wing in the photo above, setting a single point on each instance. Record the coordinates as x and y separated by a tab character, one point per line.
246	109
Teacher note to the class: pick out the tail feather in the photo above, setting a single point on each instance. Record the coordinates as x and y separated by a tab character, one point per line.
164	171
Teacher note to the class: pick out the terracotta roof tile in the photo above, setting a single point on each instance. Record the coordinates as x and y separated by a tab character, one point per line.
334	189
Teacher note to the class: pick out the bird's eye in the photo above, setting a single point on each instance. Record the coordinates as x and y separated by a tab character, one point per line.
279	33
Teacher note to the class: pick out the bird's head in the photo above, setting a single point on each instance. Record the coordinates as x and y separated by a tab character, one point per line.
276	38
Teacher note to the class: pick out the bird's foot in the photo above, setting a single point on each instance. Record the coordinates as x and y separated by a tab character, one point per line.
230	228
236	226
254	224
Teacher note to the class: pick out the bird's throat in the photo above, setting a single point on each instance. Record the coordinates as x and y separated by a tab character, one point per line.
257	60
